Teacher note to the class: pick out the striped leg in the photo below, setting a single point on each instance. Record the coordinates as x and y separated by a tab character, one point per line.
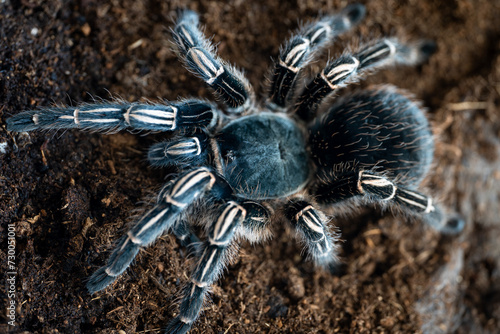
180	228
180	151
311	226
255	227
199	56
379	189
348	68
117	116
214	254
300	50
178	195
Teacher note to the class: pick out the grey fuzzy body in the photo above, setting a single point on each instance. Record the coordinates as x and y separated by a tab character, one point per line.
264	156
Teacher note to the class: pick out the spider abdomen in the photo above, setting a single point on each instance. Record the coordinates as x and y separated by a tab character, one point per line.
263	156
377	130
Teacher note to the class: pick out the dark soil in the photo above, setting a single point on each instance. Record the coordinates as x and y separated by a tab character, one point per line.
70	193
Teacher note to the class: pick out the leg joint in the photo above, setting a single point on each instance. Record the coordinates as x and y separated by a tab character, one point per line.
377	186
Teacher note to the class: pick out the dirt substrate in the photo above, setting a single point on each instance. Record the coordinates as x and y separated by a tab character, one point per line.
70	193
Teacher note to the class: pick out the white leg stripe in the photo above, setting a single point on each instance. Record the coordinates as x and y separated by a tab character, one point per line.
360	187
182	152
430	207
301	212
372	176
183	144
294	55
311	220
219	72
172	201
151	120
291	68
226	219
187	147
199	284
325	79
124	244
394	189
133	239
218	243
231	88
320	249
155	113
190	180
174	116
415	195
217	157
340	71
325	28
328	248
106	120
392	51
100	110
126	116
208	264
34	118
185	320
378	182
75	115
215	118
319	240
150	223
409	201
186	34
391	46
259	219
109	272
205	65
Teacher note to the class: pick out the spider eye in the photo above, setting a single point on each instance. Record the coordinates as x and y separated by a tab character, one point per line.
230	156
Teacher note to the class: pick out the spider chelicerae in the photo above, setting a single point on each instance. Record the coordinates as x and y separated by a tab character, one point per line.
293	155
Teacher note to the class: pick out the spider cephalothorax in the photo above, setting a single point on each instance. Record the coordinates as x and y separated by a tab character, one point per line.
295	154
263	156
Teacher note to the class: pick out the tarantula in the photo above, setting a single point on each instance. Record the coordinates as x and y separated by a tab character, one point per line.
293	154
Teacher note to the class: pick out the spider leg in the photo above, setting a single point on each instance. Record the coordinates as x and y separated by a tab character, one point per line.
178	195
180	151
180	227
185	235
199	56
109	116
350	67
255	227
214	256
301	48
310	224
379	189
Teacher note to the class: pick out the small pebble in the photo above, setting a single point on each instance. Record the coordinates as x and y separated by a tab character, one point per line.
85	29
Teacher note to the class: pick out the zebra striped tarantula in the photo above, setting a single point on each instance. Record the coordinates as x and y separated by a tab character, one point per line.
294	155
